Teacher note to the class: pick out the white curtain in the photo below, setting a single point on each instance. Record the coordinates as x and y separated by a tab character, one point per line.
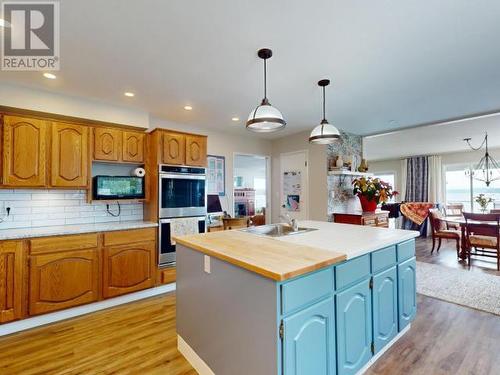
435	185
404	172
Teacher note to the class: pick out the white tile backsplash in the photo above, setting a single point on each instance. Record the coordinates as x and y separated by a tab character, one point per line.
36	208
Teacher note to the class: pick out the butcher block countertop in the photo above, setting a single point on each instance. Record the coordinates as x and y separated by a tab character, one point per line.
271	258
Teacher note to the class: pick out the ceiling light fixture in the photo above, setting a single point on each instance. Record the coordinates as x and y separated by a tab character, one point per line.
188	107
49	75
129	94
265	118
487	168
324	133
235	119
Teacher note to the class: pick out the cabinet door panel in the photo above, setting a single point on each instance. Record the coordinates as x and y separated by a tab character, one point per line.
11	279
196	150
174	148
133	147
128	268
24	151
309	341
69	155
62	280
385	307
354	328
407	292
107	144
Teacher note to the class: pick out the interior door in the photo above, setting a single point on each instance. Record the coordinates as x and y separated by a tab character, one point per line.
70	155
294	191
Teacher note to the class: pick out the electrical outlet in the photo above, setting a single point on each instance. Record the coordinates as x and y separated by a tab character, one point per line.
206	263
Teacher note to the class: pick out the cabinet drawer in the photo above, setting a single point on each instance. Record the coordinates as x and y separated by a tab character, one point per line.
406	250
63	243
383	258
166	275
125	237
297	293
352	271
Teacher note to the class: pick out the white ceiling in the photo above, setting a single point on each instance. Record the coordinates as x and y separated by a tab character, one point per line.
392	63
433	139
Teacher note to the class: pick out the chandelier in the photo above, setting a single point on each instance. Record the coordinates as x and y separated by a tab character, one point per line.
487	170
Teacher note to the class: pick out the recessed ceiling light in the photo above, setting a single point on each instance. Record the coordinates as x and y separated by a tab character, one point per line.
188	107
129	94
235	119
49	75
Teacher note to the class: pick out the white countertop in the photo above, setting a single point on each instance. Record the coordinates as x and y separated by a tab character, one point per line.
352	240
61	230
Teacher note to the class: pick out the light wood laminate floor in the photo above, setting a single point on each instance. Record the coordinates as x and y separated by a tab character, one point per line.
140	338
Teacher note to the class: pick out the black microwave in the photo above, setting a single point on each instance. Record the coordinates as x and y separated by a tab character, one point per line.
118	187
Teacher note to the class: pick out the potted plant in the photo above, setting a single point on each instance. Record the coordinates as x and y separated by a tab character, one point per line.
483	201
371	192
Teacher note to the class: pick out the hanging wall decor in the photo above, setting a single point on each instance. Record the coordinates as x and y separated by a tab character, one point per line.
216	175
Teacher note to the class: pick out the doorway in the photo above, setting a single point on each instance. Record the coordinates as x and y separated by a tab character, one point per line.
294	181
251	186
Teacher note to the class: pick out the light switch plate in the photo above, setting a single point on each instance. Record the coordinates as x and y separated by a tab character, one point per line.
206	263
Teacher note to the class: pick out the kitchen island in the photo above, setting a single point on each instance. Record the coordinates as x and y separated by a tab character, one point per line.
328	300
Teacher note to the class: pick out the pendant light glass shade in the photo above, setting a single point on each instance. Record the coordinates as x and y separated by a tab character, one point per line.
265	118
324	133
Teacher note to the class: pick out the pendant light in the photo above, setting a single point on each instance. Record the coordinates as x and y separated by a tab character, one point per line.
265	118
487	169
324	133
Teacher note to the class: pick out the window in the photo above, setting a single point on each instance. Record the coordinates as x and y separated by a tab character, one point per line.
463	188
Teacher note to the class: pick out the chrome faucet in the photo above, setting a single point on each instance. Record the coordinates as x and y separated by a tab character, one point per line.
292	222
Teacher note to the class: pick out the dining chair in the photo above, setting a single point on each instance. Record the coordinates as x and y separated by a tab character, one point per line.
483	231
235	223
440	230
454	210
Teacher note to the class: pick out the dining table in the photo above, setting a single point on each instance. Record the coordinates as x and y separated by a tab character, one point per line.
460	220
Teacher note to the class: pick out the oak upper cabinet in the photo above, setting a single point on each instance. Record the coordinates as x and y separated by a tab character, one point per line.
63	272
174	148
24	151
133	147
11	280
70	156
196	150
107	144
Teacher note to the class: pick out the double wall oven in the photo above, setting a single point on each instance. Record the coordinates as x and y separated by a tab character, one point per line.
182	194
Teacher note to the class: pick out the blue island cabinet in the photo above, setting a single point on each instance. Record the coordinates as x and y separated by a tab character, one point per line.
335	320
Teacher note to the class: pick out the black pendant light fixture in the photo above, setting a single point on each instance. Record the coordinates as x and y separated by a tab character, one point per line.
265	118
487	170
324	133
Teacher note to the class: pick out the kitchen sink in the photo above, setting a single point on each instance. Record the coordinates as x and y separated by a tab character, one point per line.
275	230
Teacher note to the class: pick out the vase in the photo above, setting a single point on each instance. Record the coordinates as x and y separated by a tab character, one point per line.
340	162
366	204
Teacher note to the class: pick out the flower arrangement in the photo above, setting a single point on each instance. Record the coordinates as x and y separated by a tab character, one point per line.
483	201
372	191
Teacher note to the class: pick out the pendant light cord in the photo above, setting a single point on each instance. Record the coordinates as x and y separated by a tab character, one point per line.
265	79
324	116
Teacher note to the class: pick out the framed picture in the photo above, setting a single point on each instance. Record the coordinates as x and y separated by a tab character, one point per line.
216	175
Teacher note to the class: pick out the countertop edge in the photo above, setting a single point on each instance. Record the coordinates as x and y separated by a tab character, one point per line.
72	230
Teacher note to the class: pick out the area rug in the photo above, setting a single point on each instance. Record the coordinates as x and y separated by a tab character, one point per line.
467	288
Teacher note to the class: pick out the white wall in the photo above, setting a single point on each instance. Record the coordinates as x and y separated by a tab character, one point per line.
45	101
318	192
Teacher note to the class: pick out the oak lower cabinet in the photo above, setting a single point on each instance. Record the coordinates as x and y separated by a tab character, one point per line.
128	268
354	327
24	151
309	340
407	288
58	280
11	280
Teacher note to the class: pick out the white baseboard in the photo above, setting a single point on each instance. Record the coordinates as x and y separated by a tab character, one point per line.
383	350
194	359
21	325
